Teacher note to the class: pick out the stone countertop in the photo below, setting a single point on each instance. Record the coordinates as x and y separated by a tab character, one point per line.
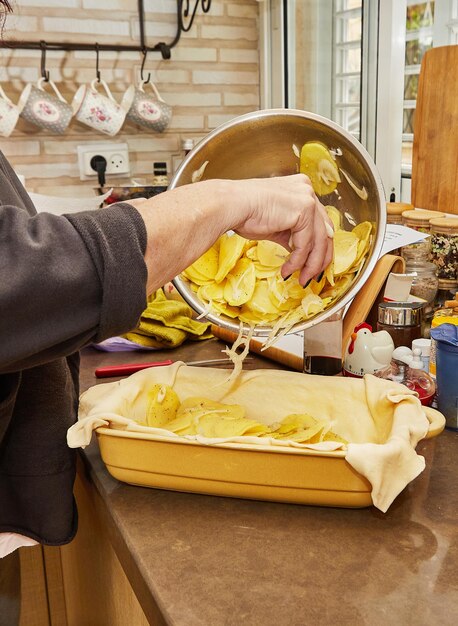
214	561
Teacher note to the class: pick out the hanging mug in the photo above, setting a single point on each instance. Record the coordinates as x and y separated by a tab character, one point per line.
9	114
46	110
147	109
97	110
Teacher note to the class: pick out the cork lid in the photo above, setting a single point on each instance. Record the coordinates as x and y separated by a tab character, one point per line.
421	217
444	224
398	208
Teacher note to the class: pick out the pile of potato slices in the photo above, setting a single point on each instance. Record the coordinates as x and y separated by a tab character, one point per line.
241	279
211	419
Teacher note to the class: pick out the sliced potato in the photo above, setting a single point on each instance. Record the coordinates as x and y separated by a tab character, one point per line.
319	165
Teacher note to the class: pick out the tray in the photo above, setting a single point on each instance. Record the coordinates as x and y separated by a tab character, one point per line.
257	472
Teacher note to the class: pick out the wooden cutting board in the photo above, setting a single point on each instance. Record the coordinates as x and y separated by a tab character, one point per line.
435	144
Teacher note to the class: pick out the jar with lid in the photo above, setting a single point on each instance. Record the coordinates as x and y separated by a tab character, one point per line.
418	220
402	320
425	282
446	290
444	246
394	211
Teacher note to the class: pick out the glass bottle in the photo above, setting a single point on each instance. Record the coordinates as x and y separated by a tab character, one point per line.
323	347
160	178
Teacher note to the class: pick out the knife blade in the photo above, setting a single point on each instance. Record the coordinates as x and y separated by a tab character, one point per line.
124	369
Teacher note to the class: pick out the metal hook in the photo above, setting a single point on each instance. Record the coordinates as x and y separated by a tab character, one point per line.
145	52
97	71
44	73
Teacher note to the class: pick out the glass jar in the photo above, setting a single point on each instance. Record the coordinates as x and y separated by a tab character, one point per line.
444	246
394	211
425	282
446	290
402	320
418	220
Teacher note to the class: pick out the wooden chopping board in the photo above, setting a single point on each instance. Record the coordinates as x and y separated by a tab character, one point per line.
435	144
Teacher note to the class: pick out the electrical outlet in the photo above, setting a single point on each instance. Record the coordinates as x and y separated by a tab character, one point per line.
116	155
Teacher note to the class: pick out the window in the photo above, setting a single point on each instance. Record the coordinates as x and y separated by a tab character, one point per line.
419	38
346	101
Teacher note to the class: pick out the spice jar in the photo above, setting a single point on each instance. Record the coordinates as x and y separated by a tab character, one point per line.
425	282
402	320
394	211
446	290
418	220
444	246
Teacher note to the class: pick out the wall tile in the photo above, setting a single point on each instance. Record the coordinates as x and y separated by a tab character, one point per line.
210	31
224	78
86	26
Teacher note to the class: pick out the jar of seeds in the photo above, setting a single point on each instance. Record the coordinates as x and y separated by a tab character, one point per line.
444	246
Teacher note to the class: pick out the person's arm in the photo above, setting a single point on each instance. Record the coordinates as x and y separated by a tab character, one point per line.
183	223
67	280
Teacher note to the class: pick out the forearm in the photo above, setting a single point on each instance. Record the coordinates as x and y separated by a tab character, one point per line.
181	225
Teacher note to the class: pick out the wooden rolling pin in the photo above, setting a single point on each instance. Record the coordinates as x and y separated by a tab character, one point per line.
280	356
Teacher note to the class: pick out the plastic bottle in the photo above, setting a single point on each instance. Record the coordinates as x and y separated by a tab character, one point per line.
424	345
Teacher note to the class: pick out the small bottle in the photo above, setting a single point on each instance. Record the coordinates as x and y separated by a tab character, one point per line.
323	347
160	178
187	145
424	345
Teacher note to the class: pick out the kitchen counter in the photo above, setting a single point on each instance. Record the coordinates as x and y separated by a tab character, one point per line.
195	560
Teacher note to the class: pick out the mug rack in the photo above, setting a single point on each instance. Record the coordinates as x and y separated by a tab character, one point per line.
185	19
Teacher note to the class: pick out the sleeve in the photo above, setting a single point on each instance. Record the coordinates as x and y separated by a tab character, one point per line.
66	281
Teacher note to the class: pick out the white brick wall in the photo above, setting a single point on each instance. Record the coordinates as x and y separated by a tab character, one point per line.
211	78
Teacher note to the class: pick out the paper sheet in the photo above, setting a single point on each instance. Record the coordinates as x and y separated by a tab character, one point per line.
397	236
58	205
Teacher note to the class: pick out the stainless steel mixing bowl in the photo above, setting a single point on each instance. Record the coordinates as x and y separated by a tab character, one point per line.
259	145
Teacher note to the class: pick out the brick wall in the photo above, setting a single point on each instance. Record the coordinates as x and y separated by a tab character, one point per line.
213	76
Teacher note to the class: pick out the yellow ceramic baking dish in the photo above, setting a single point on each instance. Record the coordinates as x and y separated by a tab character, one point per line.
281	474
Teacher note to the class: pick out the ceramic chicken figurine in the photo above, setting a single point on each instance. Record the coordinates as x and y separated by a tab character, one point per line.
367	352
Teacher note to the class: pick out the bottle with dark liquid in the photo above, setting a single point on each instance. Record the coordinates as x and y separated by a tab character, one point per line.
323	347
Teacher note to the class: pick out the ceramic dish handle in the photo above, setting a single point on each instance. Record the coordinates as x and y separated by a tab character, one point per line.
436	422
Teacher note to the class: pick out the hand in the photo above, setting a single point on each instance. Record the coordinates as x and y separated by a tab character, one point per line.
286	210
185	222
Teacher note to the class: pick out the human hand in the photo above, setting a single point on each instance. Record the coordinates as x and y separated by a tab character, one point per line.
285	210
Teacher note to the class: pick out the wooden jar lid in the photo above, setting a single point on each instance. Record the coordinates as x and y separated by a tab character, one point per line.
444	223
421	216
397	208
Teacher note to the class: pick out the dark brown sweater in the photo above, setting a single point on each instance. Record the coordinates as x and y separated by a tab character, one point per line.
65	281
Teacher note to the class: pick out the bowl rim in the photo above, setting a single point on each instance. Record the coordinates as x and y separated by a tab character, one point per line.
263	331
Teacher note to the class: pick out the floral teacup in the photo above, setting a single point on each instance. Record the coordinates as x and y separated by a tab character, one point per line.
46	110
97	110
147	109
